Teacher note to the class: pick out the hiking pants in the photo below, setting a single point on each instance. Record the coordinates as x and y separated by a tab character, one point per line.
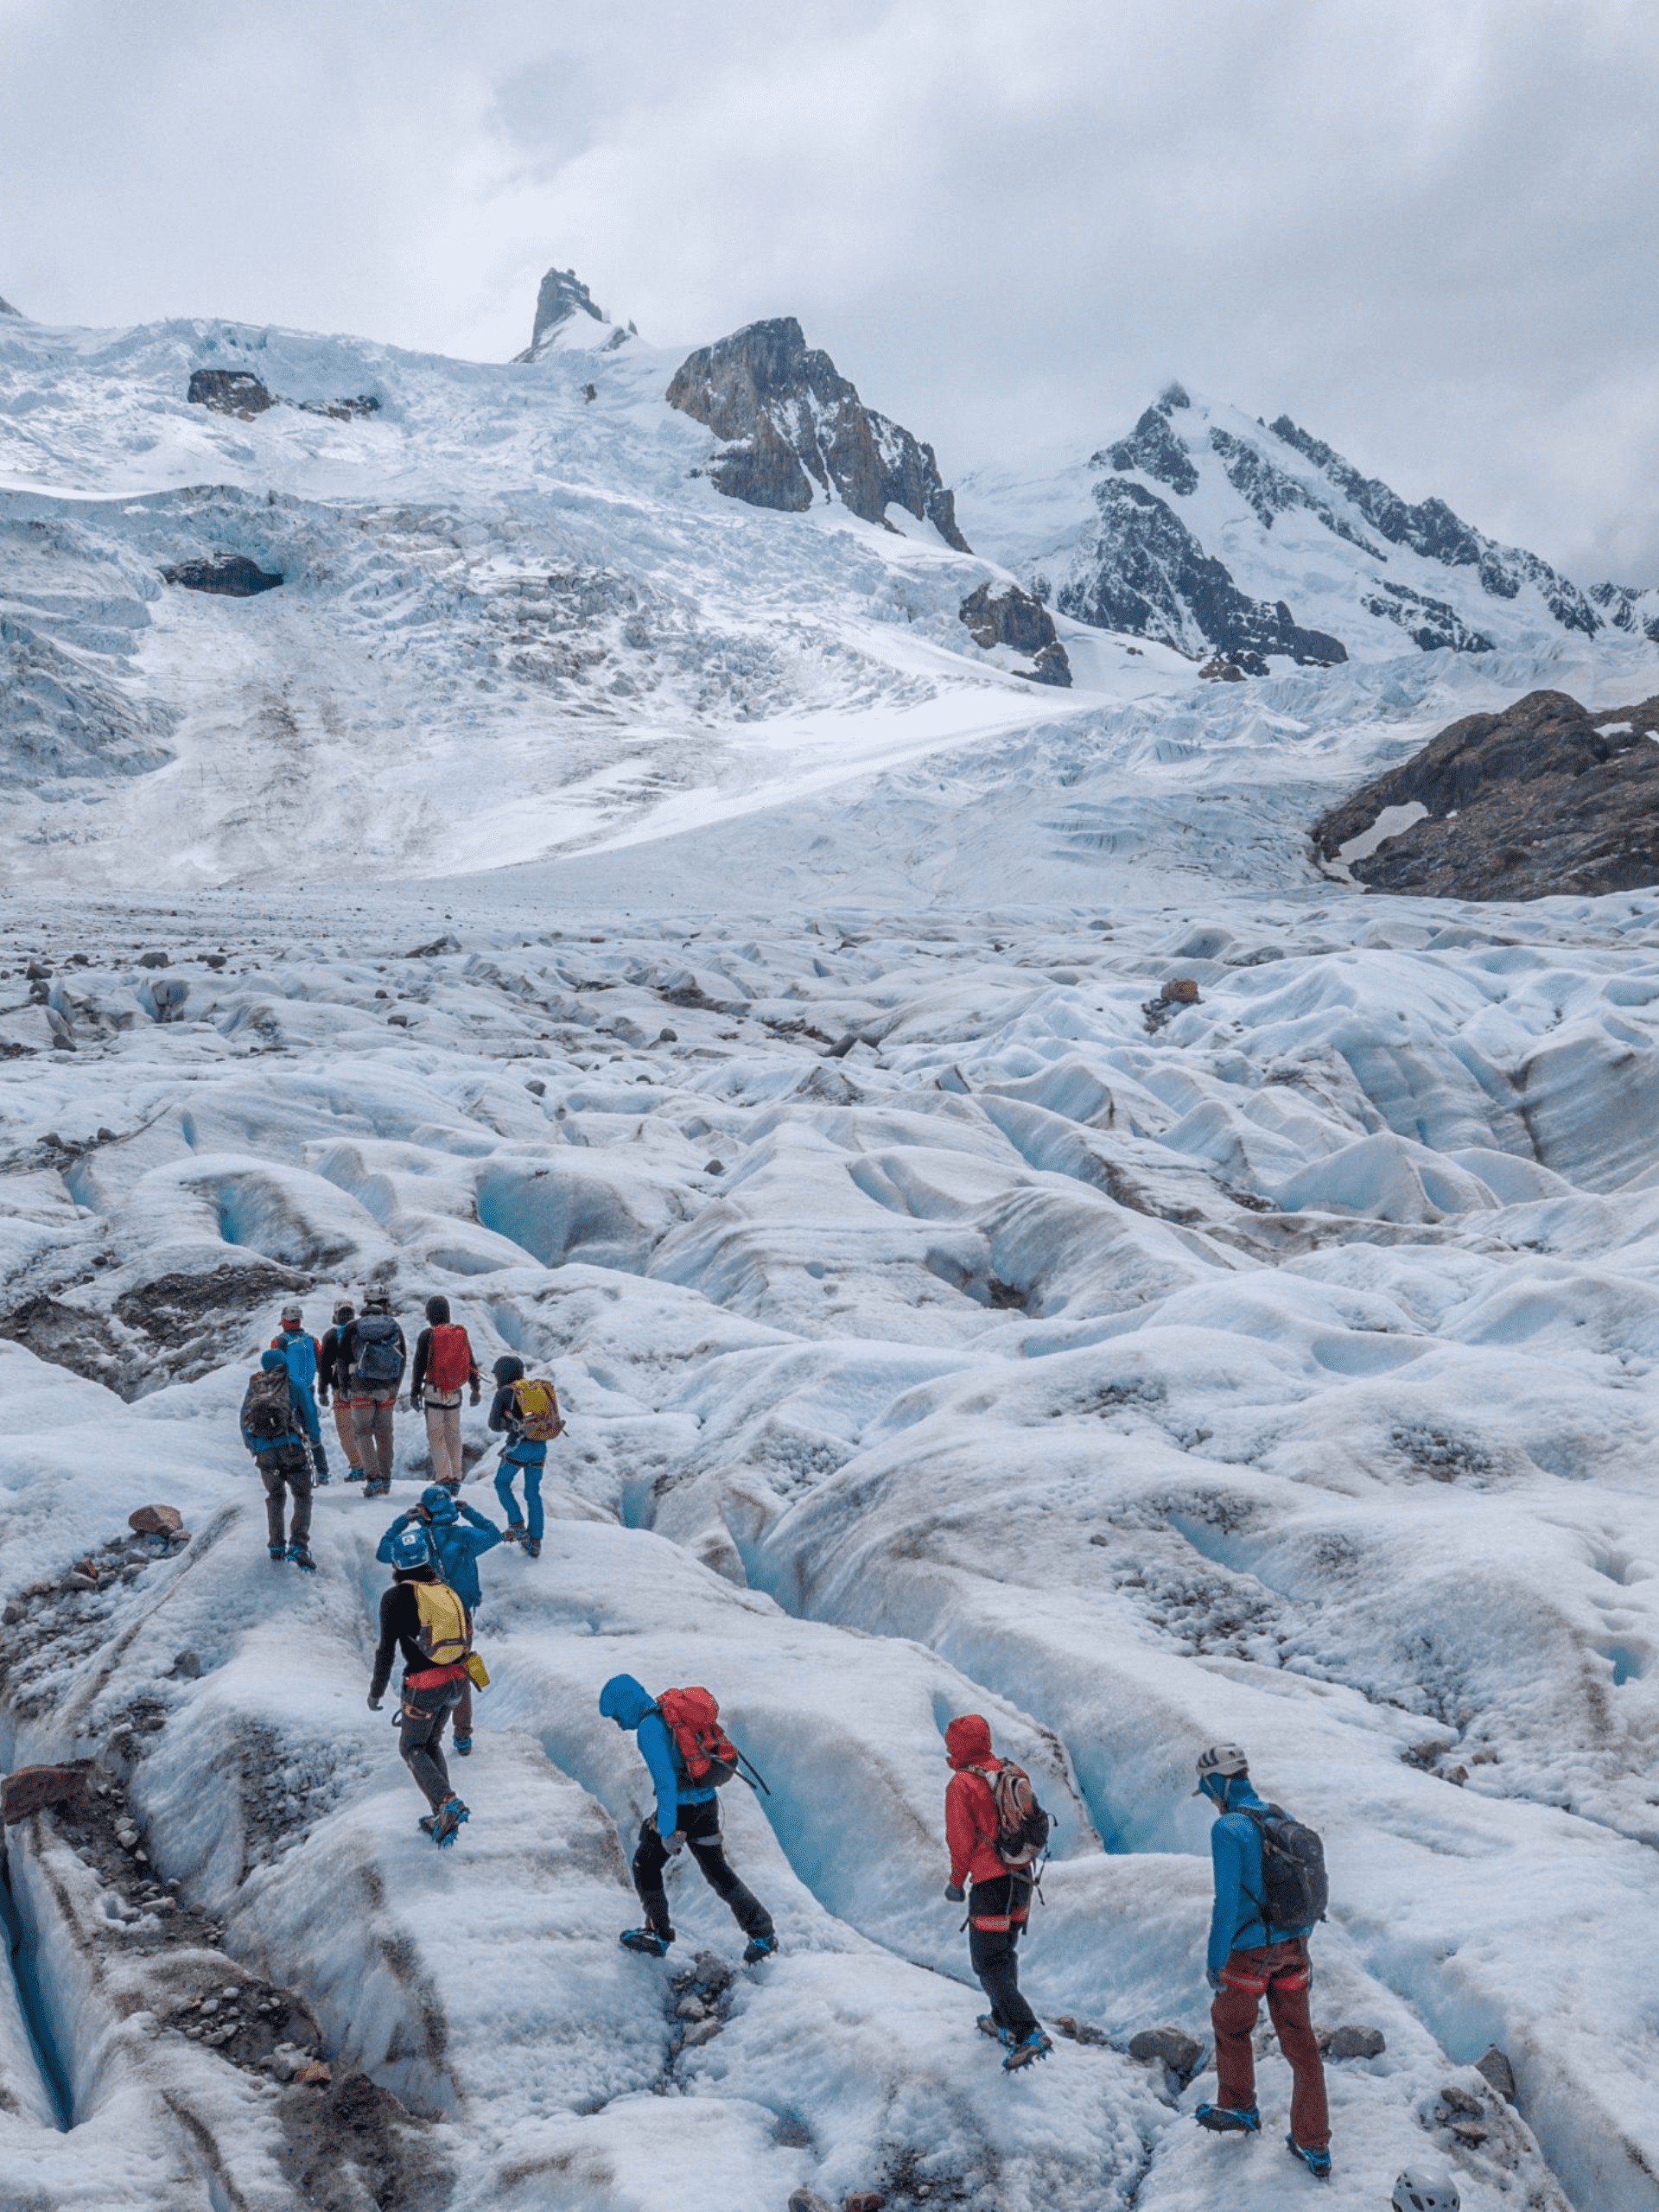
700	1825
531	1470
443	1438
289	1465
372	1428
1280	1972
346	1429
420	1738
997	1914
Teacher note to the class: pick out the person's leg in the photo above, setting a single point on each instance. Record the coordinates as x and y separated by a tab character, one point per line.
384	1408
700	1825
993	1958
456	1464
533	1500
363	1435
649	1860
420	1732
1233	2018
1288	2008
299	1481
346	1429
437	1441
271	1475
464	1714
504	1475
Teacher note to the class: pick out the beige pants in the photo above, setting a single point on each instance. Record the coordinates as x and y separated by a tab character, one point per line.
372	1427
346	1429
443	1437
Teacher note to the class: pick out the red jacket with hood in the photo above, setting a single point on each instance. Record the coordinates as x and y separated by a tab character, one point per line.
969	1807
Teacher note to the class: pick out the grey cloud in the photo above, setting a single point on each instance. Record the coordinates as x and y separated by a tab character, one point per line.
1424	231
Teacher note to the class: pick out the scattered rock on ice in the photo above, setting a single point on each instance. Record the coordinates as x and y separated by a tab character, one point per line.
1352	2042
1168	2046
230	575
1496	2067
808	2200
28	1788
155	1521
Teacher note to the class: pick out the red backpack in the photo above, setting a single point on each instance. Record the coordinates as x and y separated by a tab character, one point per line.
702	1746
450	1360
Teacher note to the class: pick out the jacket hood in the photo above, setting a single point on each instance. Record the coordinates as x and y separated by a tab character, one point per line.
968	1740
272	1359
1241	1791
624	1700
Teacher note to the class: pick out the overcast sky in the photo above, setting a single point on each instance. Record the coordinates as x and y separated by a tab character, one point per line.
1425	228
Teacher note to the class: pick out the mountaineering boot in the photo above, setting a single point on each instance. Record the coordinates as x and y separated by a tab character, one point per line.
645	1939
760	1946
278	1555
354	1475
321	1482
302	1558
1317	2162
426	1822
533	1547
1033	2045
446	1821
464	1746
988	2026
377	1485
514	1532
1224	2119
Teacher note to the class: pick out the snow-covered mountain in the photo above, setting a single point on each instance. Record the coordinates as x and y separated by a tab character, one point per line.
1215	533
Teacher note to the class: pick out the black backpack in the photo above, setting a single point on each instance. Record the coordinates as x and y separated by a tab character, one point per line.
267	1406
1293	1871
375	1357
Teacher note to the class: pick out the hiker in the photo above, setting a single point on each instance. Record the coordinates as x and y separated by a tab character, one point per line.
458	1534
443	1362
274	1429
424	1619
527	1413
373	1355
331	1377
995	1831
300	1354
1264	1913
688	1811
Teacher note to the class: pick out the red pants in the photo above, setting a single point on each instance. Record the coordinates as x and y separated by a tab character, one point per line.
1280	1972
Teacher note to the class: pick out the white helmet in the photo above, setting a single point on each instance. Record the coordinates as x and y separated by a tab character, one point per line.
1224	1759
1421	2192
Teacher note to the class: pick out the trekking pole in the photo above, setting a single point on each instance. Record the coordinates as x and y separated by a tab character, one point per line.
744	1760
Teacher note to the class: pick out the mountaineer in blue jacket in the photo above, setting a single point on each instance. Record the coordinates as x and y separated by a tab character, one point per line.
458	1534
685	1814
278	1427
1248	1958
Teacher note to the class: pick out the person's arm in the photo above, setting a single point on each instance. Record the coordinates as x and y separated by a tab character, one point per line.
325	1364
501	1407
1227	1857
252	1447
484	1534
961	1831
344	1352
418	1373
383	1549
474	1381
388	1644
652	1737
305	1407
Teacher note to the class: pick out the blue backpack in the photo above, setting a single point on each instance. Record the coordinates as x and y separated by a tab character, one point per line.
300	1357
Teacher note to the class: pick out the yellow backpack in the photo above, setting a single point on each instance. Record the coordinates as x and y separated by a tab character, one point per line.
537	1406
446	1633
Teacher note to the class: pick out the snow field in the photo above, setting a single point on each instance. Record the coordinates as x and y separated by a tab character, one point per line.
1282	1374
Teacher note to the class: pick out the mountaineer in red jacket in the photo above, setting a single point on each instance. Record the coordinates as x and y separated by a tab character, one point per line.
1001	1894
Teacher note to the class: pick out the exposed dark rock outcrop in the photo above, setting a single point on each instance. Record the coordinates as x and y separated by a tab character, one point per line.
1540	799
230	391
232	575
1016	619
1149	574
6	308
240	392
1152	446
562	295
787	420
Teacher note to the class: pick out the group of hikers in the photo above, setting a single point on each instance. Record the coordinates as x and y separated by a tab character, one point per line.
1270	1888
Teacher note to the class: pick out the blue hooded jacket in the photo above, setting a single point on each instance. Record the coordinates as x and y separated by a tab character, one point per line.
304	1405
1235	1849
632	1706
457	1543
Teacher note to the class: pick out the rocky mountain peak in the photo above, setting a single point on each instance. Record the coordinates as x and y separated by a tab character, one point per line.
6	308
564	311
787	420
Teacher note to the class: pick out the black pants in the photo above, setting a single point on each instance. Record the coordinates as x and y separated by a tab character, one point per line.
994	1952
420	1738
289	1465
700	1825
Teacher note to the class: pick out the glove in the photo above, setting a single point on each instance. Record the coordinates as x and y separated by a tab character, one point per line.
955	1891
1212	1978
374	1704
417	1404
474	1396
673	1845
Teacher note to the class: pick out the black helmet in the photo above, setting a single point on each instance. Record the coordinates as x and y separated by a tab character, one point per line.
344	1312
509	1368
437	1311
